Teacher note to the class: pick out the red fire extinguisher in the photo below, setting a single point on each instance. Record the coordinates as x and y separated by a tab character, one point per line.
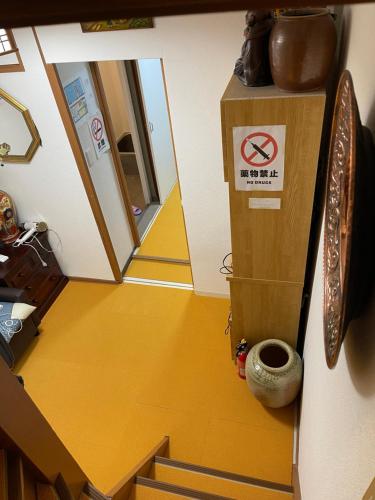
241	354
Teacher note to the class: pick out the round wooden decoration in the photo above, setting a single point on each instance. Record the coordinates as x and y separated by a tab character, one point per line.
339	218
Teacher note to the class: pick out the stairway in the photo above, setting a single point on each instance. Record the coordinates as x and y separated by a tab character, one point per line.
20	481
156	477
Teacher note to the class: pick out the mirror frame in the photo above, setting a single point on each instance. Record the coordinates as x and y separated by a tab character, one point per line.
35	137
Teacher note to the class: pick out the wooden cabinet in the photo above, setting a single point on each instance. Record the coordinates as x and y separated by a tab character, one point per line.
269	246
24	270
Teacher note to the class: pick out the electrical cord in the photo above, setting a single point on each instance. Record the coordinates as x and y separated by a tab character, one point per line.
229	324
33	239
44	264
226	268
58	247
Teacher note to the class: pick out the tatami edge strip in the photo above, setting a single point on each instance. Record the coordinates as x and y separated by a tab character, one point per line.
232	476
178	490
168	260
149	282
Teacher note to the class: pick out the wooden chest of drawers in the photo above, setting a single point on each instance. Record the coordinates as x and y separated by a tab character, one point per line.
24	270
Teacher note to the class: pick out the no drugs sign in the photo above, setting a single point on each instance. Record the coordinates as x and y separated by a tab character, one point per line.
259	153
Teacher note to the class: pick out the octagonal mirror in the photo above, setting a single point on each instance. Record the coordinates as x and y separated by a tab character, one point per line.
19	137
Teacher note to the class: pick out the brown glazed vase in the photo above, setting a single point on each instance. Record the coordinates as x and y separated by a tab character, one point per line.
302	46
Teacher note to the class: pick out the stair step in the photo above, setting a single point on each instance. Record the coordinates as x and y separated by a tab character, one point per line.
140	492
46	492
3	476
217	482
173	489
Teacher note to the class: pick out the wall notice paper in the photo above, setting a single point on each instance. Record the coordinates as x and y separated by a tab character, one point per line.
98	134
75	95
259	153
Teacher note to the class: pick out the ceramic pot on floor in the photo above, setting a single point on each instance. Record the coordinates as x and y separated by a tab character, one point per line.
302	46
274	373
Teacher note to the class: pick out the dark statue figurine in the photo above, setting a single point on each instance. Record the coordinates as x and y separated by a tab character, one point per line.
253	67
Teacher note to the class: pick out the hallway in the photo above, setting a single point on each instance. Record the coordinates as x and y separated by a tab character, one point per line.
166	239
118	367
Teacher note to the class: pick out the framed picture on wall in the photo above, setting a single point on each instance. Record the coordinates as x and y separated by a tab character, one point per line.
129	23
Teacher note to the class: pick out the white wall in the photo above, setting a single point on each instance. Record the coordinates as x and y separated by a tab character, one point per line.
50	188
198	52
102	170
337	432
13	129
156	110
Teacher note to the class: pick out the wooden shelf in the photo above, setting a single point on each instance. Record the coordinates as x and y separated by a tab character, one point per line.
269	246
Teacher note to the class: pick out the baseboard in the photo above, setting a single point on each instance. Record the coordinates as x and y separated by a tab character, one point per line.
213	294
93	280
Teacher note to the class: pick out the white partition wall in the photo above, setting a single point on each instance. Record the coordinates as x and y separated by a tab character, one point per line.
198	53
159	129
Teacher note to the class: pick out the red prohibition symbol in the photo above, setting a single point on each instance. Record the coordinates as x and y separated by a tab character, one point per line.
97	129
258	156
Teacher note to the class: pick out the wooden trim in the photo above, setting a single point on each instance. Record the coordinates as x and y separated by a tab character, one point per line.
35	137
122	489
70	11
103	104
81	162
127	263
3	475
10	68
252	281
11	51
23	423
178	490
231	476
296	484
16	484
144	135
370	492
161	259
62	489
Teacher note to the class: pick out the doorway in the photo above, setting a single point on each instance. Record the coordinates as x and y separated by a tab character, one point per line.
129	98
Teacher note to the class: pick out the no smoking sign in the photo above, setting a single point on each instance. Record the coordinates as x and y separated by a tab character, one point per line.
259	153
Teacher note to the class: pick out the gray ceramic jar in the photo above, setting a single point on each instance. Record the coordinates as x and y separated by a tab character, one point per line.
274	373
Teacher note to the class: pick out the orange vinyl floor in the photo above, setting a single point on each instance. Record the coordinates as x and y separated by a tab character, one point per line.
117	367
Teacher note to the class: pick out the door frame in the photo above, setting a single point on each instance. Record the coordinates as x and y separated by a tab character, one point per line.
132	76
83	169
82	166
103	105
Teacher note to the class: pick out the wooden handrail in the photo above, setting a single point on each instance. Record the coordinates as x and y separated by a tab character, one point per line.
22	422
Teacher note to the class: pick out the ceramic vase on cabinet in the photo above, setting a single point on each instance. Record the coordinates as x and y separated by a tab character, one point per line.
274	373
302	46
